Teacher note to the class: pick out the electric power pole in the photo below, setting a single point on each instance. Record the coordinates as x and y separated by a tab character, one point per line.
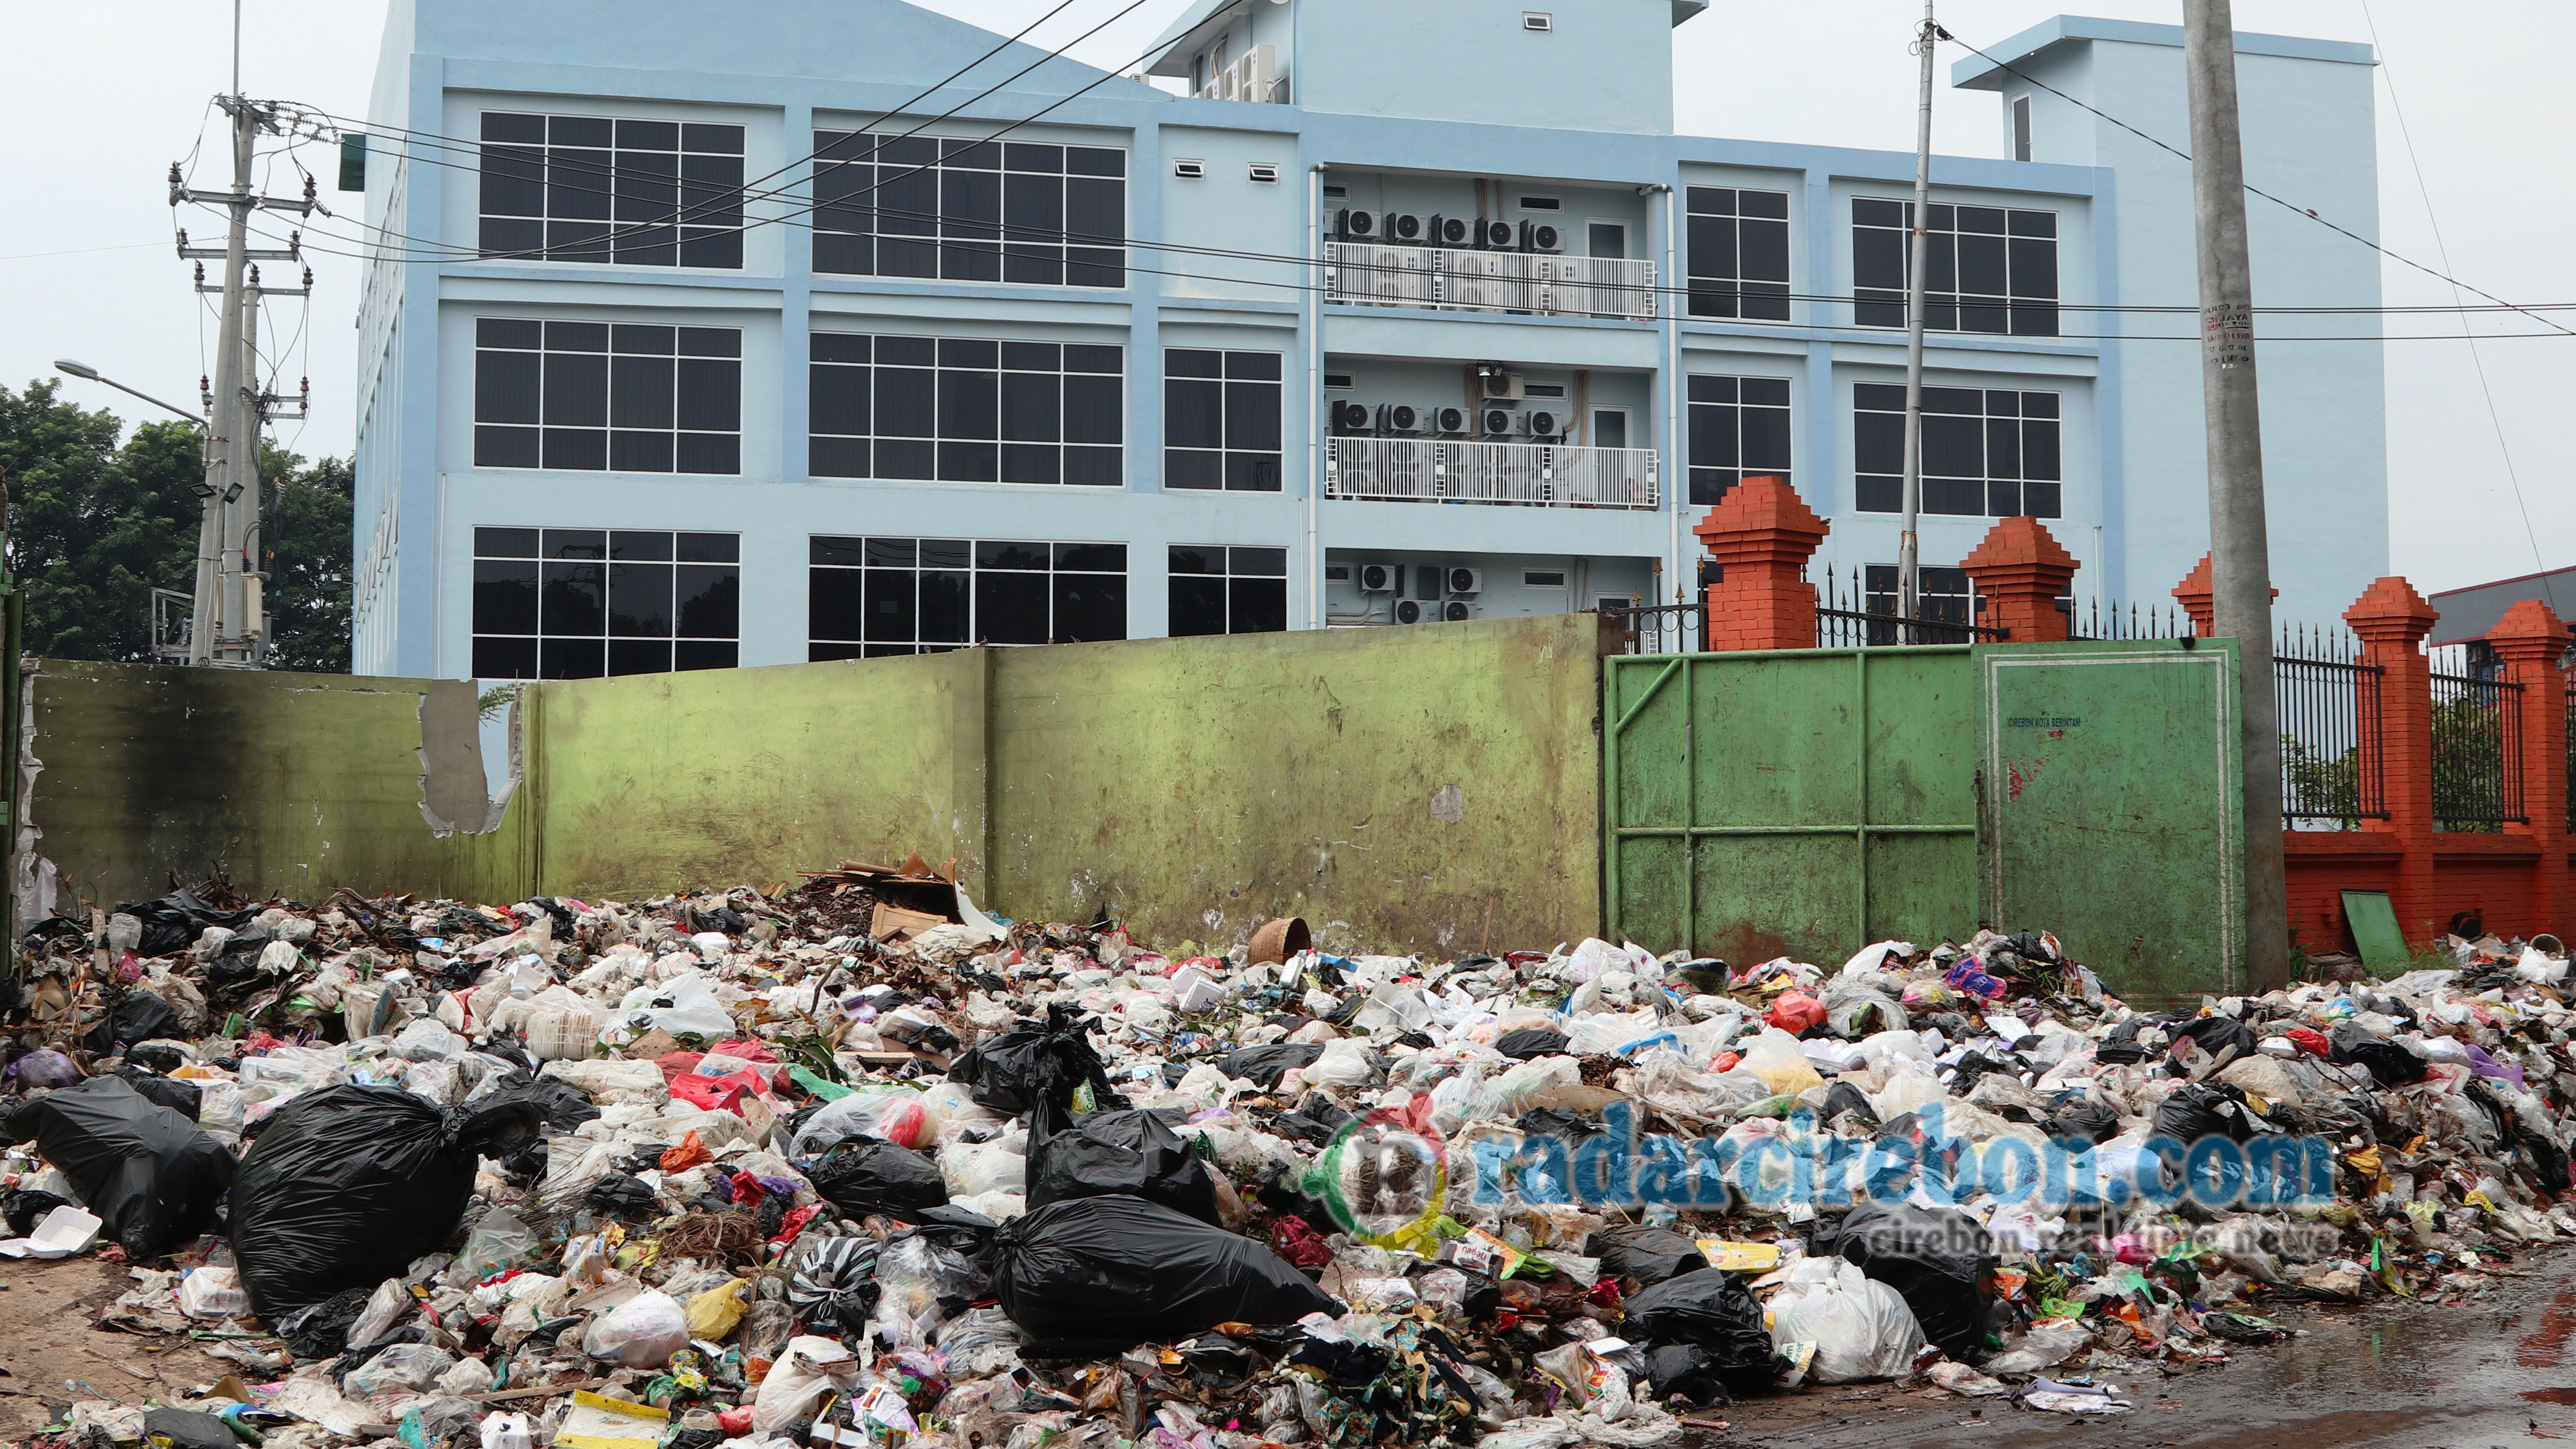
1909	562
2239	544
225	626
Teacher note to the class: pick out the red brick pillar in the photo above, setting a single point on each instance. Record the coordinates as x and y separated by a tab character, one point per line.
2197	598
1762	535
2530	639
2392	620
2021	570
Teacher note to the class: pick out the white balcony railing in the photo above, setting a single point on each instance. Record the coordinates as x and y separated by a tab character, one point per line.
1441	470
1367	275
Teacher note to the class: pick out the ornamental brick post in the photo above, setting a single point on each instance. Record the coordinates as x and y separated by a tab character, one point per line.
1762	535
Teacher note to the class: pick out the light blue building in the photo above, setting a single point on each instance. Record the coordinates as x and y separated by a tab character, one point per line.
844	328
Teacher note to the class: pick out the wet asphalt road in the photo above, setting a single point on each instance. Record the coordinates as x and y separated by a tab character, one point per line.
2497	1372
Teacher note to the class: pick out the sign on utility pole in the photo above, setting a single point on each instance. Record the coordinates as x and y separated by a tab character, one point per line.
2239	545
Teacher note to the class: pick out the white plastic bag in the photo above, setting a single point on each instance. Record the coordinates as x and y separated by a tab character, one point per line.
810	1368
642	1332
213	1293
1861	1327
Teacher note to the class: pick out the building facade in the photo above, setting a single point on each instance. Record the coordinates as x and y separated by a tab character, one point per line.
854	330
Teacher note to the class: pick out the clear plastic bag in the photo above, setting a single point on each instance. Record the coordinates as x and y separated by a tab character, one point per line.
980	1343
1861	1327
914	1275
642	1332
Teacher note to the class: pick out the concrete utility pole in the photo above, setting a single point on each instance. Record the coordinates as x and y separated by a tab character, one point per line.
1909	560
226	625
2239	545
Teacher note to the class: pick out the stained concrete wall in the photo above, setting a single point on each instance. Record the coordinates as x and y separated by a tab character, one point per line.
1429	787
288	784
1438	786
662	782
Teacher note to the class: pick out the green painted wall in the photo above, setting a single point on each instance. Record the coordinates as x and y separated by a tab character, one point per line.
289	784
662	782
1427	787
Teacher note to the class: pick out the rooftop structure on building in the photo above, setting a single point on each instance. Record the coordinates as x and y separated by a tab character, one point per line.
806	334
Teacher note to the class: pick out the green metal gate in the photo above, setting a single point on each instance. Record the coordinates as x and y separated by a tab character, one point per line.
2115	807
1800	802
1806	802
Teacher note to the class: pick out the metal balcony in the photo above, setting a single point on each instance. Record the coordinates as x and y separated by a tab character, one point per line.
1442	279
1441	470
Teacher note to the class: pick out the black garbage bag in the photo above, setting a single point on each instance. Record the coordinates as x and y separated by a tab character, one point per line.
141	1016
2092	1123
2223	1037
1036	1061
1263	1066
1843	1097
2548	1161
348	1184
2389	1064
2201	1110
173	923
186	1429
558	1103
1930	1256
1134	1152
1686	1371
869	1175
1710	1310
1317	1119
620	1196
833	1283
1532	1041
1649	1255
151	1176
1114	1272
23	1208
180	1097
322	1330
1569	1127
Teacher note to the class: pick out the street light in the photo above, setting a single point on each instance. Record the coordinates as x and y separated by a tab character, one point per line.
85	371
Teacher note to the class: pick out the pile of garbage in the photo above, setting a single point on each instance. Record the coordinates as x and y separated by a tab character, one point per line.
859	1164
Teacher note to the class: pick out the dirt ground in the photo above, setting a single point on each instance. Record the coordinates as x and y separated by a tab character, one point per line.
52	1350
2475	1375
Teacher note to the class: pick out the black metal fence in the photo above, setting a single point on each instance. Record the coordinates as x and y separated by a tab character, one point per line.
2477	746
1850	614
2094	619
1659	628
2332	763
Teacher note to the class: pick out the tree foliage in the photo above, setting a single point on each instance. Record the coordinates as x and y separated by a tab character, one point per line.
98	519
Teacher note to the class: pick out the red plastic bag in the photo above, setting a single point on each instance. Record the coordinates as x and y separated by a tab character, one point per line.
1795	1012
714	1094
2312	1042
1299	1243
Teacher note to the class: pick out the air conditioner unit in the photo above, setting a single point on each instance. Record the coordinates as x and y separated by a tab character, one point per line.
1255	73
1495	385
1407	228
1541	236
1350	417
1544	424
1376	578
1452	231
1356	225
1417	611
1494	235
1451	419
1501	423
1466	581
1456	611
1398	418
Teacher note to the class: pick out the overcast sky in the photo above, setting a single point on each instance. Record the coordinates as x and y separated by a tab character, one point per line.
85	258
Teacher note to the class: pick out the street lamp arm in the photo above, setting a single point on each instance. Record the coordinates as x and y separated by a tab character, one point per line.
93	374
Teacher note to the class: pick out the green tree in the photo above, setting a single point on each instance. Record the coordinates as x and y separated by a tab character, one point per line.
307	523
95	525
